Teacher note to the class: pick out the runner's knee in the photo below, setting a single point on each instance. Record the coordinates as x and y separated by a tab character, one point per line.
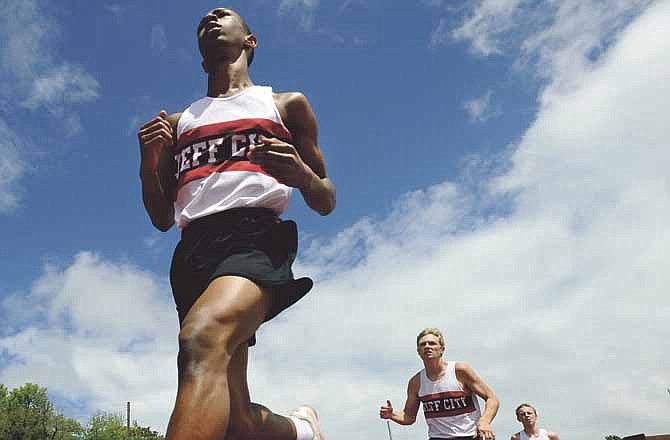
205	337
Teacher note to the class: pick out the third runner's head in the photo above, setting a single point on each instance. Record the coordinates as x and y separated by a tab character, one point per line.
526	414
224	37
430	344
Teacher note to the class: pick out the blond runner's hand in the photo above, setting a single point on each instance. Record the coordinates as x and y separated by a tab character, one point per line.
386	412
484	431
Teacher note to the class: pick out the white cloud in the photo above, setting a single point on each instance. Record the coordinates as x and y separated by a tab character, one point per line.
158	38
302	10
487	22
27	51
95	331
116	9
557	37
561	302
552	304
441	34
31	73
480	109
11	167
434	3
65	84
331	35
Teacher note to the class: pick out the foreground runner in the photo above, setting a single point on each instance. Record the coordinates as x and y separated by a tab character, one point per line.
527	415
223	171
447	390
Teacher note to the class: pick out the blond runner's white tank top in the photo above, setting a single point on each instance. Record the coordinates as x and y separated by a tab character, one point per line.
541	436
212	169
450	410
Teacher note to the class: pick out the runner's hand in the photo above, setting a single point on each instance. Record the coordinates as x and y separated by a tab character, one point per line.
282	161
386	412
154	137
484	431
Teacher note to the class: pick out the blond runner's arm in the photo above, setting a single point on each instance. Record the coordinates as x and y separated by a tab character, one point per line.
408	415
470	379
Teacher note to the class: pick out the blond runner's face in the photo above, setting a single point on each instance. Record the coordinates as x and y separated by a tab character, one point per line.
429	347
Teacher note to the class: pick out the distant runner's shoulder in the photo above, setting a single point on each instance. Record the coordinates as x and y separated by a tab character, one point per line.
415	380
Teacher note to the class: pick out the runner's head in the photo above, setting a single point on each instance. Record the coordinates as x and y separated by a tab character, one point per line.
430	343
526	414
223	35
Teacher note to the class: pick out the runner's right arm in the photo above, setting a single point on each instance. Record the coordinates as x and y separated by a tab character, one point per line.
408	415
157	168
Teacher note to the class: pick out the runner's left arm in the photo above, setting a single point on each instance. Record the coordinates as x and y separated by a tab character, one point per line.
301	164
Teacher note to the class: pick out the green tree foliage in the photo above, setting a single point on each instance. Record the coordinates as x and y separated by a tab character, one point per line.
105	426
27	414
144	433
612	437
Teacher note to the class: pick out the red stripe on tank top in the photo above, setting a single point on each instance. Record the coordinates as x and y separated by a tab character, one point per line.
443	394
229	165
230	127
448	413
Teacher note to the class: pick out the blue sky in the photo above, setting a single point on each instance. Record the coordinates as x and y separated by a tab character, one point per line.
501	168
403	110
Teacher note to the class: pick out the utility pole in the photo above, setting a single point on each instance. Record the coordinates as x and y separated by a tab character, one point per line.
128	421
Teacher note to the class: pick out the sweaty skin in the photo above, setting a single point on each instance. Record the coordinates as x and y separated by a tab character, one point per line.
430	351
300	165
213	397
527	415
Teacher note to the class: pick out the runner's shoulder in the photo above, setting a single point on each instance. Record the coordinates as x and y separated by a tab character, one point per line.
462	367
292	103
289	97
415	381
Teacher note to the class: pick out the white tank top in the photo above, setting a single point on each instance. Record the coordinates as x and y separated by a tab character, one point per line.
450	410
213	172
541	436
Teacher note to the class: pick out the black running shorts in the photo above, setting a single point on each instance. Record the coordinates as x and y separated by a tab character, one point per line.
248	242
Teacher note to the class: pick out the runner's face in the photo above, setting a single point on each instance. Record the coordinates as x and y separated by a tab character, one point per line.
526	415
220	26
429	347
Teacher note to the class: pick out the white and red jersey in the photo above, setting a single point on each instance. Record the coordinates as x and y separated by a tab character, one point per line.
450	410
212	169
541	435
